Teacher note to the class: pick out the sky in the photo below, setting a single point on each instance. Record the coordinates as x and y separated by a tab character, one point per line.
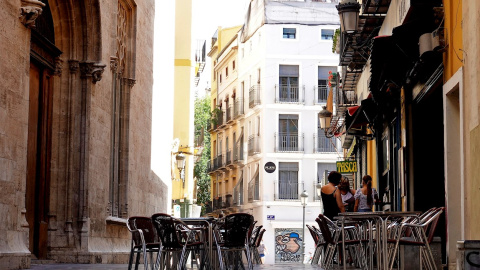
207	16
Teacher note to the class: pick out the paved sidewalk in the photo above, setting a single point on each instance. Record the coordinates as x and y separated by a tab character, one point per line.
125	266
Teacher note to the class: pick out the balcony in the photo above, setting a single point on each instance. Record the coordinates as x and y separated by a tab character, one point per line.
228	201
253	145
287	190
238	153
289	142
289	93
238	108
323	144
229	158
238	193
321	94
254	189
346	98
254	96
229	115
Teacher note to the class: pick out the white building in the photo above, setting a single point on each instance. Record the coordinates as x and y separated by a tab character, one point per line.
284	59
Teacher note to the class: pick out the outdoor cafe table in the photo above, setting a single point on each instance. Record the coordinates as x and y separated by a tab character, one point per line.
381	217
205	222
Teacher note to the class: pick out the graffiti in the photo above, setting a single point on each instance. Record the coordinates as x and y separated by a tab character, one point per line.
471	262
287	245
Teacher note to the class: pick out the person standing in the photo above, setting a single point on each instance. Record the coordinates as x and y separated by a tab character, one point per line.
331	197
365	196
347	195
262	250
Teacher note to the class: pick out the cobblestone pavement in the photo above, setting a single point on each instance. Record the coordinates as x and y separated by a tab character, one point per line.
124	266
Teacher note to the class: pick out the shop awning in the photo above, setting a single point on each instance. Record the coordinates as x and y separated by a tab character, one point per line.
360	116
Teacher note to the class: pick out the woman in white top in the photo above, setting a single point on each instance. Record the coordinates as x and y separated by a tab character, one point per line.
365	196
347	194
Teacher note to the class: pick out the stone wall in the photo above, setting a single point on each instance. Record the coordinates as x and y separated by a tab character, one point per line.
80	226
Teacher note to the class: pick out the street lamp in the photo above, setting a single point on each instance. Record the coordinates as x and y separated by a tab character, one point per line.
348	12
303	198
181	166
325	117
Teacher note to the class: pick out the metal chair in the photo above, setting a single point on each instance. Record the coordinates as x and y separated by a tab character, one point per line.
144	240
319	243
417	233
331	233
256	255
253	241
231	237
177	241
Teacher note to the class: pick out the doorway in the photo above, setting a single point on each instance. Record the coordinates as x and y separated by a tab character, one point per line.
38	157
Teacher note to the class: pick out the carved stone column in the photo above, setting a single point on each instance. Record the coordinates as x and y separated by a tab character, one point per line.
29	12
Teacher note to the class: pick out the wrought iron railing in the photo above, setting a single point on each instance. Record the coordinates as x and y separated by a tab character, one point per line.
253	145
324	144
229	157
254	190
238	194
321	94
254	96
289	142
287	190
238	108
229	114
289	93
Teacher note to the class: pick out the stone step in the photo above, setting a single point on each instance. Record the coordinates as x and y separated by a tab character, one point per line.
36	261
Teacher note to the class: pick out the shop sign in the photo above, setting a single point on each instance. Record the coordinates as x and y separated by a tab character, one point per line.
346	166
270	167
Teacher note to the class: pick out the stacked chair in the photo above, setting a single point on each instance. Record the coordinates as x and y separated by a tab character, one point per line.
417	231
231	235
319	243
144	240
177	241
332	235
255	240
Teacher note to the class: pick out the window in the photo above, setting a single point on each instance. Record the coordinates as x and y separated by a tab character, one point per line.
324	144
327	34
233	65
288	132
226	72
322	90
288	84
290	33
323	169
288	181
220	78
259	76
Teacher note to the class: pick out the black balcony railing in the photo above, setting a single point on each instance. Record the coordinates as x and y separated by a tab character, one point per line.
287	190
289	142
254	190
346	98
321	94
229	157
238	193
254	96
229	116
238	153
289	93
238	108
324	144
253	145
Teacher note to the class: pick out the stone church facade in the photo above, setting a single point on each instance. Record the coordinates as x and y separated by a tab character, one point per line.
75	129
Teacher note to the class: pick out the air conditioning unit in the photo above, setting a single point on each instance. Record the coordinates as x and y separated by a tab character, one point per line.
430	41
